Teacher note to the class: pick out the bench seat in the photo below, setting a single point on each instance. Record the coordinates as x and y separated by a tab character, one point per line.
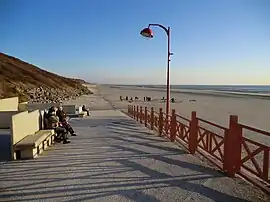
83	114
32	145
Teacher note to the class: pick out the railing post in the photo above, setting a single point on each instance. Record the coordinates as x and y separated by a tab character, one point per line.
145	116
134	112
193	135
160	122
173	126
141	115
152	118
232	147
137	113
167	117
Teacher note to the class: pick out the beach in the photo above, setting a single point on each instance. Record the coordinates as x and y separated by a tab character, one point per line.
212	106
209	105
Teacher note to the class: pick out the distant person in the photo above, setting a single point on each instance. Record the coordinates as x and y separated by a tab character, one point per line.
144	99
126	97
172	100
121	98
53	123
86	110
63	120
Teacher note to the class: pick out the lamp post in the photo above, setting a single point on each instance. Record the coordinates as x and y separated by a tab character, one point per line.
147	32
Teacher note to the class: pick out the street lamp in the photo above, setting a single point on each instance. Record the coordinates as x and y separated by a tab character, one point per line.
147	32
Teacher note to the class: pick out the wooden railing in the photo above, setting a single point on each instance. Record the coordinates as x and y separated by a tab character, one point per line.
228	149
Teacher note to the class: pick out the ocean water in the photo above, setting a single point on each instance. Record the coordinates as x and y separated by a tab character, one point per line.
265	89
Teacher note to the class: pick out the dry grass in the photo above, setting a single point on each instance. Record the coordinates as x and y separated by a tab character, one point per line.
16	76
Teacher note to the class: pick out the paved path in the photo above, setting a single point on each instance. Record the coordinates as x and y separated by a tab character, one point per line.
116	159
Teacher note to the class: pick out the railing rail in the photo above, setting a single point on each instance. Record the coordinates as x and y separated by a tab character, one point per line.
228	149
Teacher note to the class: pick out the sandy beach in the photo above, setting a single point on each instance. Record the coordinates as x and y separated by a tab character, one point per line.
212	106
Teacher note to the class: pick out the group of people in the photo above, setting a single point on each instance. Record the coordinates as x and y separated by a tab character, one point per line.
129	99
56	119
172	99
147	98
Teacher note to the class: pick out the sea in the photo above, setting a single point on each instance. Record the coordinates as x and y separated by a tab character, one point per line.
260	89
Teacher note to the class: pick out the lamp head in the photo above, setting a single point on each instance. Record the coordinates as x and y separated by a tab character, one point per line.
147	32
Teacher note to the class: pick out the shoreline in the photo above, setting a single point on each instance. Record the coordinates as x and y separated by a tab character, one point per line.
201	92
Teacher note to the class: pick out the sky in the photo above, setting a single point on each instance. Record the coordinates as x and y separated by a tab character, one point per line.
213	41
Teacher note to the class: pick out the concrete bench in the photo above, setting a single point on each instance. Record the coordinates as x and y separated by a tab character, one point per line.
32	145
28	138
9	104
81	112
70	110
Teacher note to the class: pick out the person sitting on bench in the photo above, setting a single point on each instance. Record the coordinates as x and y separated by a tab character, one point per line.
85	110
53	123
63	120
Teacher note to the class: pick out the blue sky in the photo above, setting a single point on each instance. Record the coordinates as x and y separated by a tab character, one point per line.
213	41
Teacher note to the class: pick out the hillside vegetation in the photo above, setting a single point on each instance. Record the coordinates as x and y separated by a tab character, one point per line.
31	83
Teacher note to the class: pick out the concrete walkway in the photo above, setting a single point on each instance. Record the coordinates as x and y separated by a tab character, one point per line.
116	159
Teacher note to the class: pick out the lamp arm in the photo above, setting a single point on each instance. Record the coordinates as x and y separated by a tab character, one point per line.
161	26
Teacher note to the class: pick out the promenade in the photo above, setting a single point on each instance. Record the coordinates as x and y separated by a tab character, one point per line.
114	158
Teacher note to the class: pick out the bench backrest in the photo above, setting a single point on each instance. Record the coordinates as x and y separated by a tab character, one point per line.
24	124
9	104
5	119
69	109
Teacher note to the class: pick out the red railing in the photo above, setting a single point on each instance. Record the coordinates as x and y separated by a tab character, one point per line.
182	129
227	148
254	155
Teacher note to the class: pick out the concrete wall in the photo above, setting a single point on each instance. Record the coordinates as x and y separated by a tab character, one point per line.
69	109
9	104
23	106
41	106
5	118
24	124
